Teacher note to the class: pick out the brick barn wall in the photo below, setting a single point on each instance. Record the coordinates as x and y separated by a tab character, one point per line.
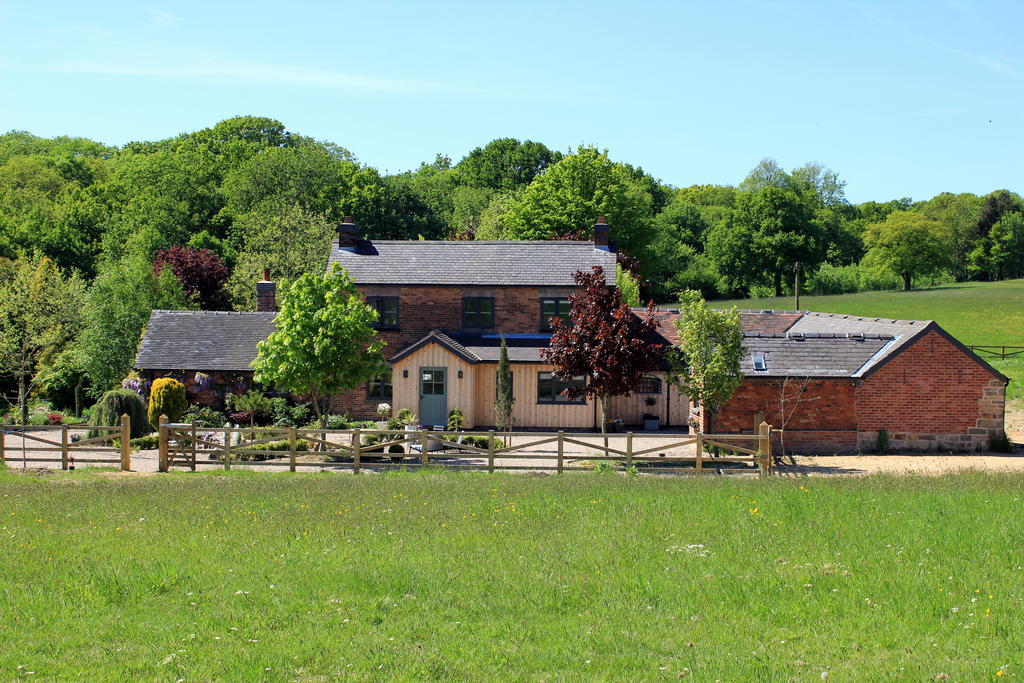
931	396
821	413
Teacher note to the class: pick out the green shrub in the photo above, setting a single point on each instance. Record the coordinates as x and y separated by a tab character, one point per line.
252	402
1001	444
146	443
117	402
455	420
204	416
246	452
290	416
166	397
883	441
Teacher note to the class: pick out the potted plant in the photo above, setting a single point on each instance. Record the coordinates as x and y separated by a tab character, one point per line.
614	425
651	422
407	419
383	414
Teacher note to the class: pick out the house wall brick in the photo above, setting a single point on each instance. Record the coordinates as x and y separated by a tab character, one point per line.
422	309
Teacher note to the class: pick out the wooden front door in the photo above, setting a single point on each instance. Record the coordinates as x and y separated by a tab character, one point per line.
433	396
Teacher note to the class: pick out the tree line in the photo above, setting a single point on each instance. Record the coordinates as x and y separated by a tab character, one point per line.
105	234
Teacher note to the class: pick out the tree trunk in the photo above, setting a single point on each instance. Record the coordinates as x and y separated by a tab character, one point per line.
603	402
22	399
906	282
778	283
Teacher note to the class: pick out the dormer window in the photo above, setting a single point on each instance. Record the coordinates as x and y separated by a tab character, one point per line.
387	311
478	313
759	363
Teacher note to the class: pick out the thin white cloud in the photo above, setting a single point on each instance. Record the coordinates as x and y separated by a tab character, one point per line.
162	19
239	71
981	60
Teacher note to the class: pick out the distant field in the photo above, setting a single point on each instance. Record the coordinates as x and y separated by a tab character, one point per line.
245	576
981	313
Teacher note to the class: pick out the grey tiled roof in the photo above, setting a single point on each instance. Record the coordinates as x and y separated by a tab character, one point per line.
541	264
202	340
827	355
904	331
522	348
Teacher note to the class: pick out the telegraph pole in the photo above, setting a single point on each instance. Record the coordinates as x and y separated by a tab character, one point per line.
796	283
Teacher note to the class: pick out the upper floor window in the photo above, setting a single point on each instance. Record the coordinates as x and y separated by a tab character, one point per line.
387	311
379	386
551	388
649	385
553	307
478	313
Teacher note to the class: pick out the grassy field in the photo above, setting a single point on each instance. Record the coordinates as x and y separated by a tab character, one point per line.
980	313
474	576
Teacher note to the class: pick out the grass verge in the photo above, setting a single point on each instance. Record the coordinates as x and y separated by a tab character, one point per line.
428	575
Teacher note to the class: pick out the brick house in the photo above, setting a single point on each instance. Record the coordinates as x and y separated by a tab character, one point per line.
834	382
443	307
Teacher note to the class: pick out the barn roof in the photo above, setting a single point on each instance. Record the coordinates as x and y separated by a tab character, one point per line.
831	347
202	340
500	263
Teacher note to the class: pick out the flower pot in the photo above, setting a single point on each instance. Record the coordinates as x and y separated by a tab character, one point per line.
652	425
382	425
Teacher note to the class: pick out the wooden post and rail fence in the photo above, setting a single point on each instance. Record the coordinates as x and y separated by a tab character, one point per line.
51	444
185	445
1000	352
191	446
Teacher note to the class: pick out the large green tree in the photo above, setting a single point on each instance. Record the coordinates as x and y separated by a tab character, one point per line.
39	312
1000	254
324	343
959	215
505	164
571	194
910	245
115	314
289	240
764	236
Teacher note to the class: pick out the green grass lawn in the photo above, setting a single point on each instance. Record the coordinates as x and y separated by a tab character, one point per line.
980	313
428	575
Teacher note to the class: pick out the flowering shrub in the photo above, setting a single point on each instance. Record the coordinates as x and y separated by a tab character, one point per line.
54	418
137	384
202	381
383	410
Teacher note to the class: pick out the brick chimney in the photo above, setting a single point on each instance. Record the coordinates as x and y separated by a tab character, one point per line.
601	233
266	294
348	234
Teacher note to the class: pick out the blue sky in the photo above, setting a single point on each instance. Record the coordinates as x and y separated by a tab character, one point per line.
901	98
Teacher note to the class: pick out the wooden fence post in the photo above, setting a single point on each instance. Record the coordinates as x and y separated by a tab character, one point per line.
195	440
3	445
357	444
424	458
126	442
490	451
764	444
561	450
164	462
629	450
700	453
293	446
63	447
227	448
